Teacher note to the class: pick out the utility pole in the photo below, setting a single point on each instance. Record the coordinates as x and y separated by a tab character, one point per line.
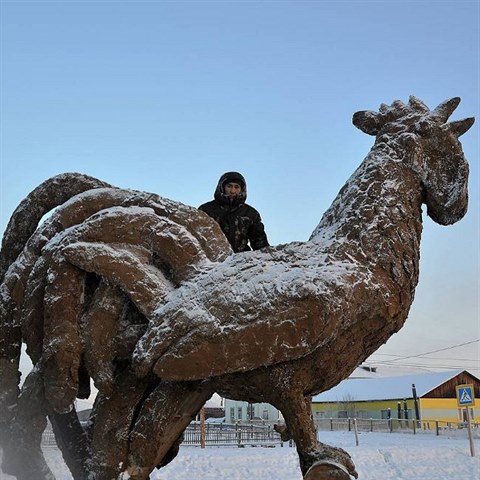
415	401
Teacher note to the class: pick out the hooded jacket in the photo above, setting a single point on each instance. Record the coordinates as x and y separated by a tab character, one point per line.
240	222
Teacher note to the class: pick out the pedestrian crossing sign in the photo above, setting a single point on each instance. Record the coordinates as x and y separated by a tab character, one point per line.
465	395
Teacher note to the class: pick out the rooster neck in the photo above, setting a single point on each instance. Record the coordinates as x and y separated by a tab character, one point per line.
376	218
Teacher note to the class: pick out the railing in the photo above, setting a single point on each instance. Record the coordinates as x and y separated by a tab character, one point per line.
217	434
394	425
251	434
228	434
48	438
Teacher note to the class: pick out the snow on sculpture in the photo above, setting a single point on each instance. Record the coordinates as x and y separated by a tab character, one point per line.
144	296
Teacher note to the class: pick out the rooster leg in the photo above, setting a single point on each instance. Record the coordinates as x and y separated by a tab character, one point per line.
164	416
26	434
72	441
317	460
10	342
113	417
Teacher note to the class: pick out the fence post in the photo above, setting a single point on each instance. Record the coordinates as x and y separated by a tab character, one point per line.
237	433
331	424
371	424
356	431
437	428
203	433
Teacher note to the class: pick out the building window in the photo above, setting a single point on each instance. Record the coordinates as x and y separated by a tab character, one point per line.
240	413
402	416
462	414
232	414
386	414
265	414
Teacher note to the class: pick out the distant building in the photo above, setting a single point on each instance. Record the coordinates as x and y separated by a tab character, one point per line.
379	398
214	412
236	411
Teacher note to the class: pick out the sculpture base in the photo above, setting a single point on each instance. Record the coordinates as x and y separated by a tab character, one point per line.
327	470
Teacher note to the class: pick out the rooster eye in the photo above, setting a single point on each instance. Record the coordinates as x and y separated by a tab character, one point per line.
422	128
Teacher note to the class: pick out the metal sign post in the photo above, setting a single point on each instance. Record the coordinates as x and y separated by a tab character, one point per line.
466	398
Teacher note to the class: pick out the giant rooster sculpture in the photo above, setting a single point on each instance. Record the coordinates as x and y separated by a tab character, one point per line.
144	296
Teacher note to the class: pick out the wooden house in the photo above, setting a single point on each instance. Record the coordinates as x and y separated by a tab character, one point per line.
430	396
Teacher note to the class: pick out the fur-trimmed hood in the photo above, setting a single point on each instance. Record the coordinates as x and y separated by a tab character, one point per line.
219	194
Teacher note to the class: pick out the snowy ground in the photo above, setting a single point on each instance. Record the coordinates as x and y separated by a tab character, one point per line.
380	456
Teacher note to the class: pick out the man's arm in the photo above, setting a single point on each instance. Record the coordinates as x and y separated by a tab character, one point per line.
256	233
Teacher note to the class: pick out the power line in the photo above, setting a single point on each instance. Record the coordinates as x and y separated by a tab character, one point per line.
429	366
431	358
434	351
428	363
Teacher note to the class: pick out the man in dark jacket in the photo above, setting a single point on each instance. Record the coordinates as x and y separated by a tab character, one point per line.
240	222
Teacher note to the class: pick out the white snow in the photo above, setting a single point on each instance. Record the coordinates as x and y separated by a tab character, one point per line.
379	456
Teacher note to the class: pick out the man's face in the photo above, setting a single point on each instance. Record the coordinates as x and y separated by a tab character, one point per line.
232	189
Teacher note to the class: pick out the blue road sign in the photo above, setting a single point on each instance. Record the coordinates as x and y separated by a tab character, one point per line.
465	395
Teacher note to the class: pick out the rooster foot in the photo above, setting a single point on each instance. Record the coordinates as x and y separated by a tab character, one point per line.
327	470
328	463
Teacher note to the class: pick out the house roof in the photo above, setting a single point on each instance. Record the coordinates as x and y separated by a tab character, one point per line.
364	372
385	388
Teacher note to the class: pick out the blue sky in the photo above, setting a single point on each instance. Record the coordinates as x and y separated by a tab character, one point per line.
166	96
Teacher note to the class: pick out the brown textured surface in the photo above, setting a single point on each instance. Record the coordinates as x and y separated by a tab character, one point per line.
100	329
23	222
327	471
142	295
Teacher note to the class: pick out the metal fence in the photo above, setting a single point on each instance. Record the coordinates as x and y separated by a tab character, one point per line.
229	434
217	434
254	434
394	425
48	438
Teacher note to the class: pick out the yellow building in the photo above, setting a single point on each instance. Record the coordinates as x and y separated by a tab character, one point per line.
424	397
